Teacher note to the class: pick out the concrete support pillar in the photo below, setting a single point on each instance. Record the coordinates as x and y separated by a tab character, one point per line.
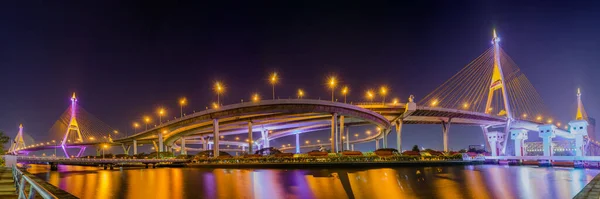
579	128
125	149
399	135
265	137
376	144
352	147
348	138
519	135
333	130
495	138
383	139
250	139
216	137
445	130
183	150
340	133
297	142
547	132
160	142
484	129
134	147
205	144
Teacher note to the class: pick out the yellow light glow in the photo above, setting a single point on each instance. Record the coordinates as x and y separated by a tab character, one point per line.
219	87
283	145
255	97
105	146
146	119
135	124
273	78
300	93
161	111
222	137
356	135
92	138
182	101
370	95
237	138
435	102
465	105
383	90
215	105
524	115
395	101
318	141
332	82
345	90
558	124
368	132
307	142
539	118
549	121
378	129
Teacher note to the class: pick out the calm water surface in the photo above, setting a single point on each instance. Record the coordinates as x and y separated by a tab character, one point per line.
481	181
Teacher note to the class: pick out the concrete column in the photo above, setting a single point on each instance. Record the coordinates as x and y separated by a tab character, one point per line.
547	132
376	144
297	142
250	140
265	137
183	150
445	130
205	143
519	135
495	138
399	135
484	129
134	147
333	136
347	138
216	137
352	147
384	139
160	142
340	133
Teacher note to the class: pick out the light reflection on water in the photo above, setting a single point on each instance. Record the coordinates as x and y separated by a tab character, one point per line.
480	181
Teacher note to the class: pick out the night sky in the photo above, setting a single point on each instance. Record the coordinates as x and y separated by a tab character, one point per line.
125	59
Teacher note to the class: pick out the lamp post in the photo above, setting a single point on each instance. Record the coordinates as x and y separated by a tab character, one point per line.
273	79
300	93
161	112
55	146
255	97
383	92
182	102
345	92
146	120
332	83
219	88
370	95
104	147
135	126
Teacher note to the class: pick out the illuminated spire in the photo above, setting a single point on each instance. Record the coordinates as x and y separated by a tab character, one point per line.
581	115
74	99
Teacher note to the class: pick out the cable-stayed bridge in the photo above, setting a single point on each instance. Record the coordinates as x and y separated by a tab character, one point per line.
490	92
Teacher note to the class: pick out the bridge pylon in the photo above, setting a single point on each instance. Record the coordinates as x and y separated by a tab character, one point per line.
18	142
72	127
498	81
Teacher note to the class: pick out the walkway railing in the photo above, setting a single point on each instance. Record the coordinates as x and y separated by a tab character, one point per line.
22	181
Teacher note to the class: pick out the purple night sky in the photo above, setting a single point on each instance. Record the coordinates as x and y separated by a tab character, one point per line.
126	59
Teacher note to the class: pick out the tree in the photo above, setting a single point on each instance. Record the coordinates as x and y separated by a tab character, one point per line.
3	140
462	151
415	148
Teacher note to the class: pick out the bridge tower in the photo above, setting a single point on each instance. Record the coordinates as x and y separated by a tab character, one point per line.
497	81
72	127
19	142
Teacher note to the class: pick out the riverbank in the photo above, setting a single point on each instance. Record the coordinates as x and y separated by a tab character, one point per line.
591	190
296	165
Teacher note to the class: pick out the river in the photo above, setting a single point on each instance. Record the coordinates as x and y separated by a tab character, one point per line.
478	181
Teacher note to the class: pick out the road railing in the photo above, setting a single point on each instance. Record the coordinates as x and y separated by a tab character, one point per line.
22	181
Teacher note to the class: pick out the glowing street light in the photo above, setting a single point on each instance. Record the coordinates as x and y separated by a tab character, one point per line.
182	102
345	91
135	126
318	141
383	92
370	95
255	97
215	105
105	146
368	132
395	101
219	88
332	83
435	102
273	80
237	138
300	93
161	112
466	105
146	120
307	142
356	135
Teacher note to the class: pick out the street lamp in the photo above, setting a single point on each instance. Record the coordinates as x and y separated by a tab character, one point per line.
146	120
332	83
135	126
255	97
383	91
300	93
368	132
370	95
273	79
182	102
161	112
345	92
55	146
105	146
219	88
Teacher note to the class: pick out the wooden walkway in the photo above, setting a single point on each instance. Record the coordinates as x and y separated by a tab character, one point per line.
7	184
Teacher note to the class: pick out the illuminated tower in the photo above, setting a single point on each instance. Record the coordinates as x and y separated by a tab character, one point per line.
497	80
19	142
73	127
582	115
